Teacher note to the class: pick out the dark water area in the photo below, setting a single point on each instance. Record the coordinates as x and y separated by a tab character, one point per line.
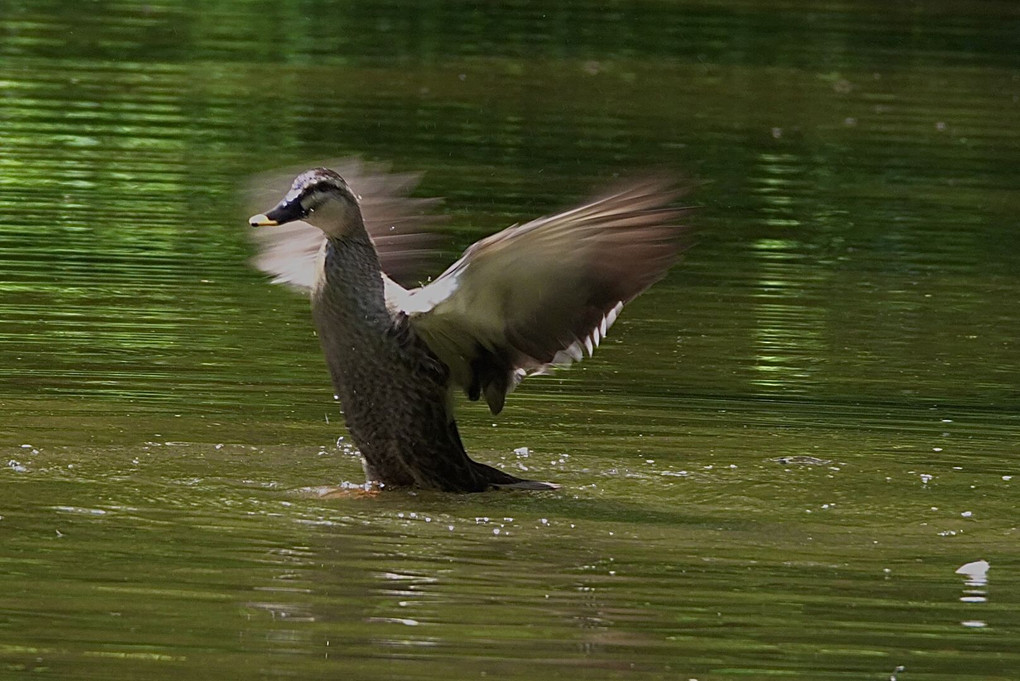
772	468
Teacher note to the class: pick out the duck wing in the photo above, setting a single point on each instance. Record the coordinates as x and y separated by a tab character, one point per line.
397	223
544	293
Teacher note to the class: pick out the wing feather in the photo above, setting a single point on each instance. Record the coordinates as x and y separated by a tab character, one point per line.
545	293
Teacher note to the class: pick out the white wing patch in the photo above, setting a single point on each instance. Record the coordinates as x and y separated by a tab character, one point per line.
575	351
427	297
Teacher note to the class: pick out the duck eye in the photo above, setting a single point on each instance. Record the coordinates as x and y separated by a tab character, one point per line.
309	205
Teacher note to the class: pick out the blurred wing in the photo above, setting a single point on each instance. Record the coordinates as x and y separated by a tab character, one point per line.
545	293
396	222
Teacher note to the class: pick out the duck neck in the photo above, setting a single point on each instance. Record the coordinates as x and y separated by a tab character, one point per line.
350	293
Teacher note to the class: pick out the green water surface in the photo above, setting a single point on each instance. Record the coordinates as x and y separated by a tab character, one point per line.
771	469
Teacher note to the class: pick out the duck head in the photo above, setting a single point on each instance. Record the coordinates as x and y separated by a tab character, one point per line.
321	198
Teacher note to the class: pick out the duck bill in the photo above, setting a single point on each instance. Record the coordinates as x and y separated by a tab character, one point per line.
286	211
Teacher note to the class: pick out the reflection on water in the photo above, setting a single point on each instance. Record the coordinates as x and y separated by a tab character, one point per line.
976	573
790	329
772	466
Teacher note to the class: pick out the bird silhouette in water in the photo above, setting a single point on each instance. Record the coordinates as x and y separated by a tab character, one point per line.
533	296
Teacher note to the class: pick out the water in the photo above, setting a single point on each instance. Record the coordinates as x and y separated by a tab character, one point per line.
772	468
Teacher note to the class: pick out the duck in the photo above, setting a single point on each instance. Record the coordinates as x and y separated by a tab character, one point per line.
533	297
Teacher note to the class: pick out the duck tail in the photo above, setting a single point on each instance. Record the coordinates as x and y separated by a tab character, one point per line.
529	485
497	479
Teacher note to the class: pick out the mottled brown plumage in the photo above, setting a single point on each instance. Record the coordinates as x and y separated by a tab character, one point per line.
518	302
